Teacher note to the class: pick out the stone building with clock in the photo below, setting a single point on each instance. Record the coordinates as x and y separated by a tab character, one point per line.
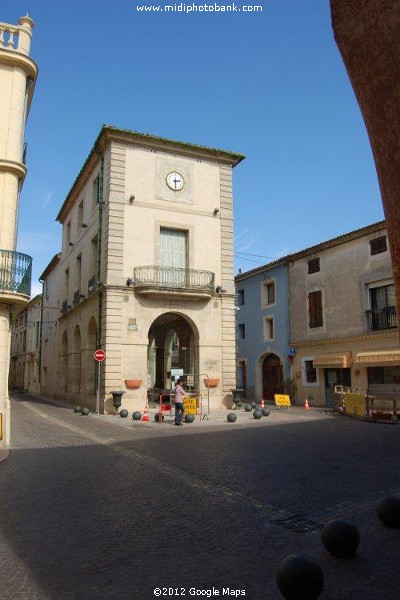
145	273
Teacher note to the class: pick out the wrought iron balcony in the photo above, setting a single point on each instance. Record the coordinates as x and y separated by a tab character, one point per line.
77	297
15	272
65	307
92	285
173	280
382	318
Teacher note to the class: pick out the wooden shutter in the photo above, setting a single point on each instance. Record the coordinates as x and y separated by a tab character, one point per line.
315	308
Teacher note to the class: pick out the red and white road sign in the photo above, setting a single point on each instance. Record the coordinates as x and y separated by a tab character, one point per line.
99	355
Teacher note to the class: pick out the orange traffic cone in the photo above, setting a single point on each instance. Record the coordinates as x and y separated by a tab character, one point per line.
306	404
146	412
262	403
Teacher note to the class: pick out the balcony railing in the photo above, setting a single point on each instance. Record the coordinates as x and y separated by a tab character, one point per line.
173	279
382	318
92	285
65	307
77	297
15	272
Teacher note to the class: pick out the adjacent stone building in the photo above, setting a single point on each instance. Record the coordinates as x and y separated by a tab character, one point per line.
343	321
25	348
145	273
18	74
321	317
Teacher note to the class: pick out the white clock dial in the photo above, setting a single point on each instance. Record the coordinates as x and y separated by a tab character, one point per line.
175	181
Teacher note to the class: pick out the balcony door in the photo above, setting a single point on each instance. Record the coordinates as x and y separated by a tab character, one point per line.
173	257
383	305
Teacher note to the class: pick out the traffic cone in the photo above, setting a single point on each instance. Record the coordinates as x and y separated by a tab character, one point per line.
146	412
306	404
262	403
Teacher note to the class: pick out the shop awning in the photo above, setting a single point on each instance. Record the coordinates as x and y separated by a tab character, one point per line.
339	360
378	358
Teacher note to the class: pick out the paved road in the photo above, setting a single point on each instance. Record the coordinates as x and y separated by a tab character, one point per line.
104	508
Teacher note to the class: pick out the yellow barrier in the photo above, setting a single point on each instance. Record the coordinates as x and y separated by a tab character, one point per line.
190	405
355	404
282	400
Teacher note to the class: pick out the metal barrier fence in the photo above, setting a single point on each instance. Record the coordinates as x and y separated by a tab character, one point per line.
361	404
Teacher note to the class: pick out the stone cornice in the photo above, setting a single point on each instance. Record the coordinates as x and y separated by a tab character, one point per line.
11	166
346	340
16	59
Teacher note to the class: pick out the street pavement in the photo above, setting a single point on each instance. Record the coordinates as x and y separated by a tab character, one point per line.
100	507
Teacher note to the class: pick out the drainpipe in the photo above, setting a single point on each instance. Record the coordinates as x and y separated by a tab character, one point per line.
40	336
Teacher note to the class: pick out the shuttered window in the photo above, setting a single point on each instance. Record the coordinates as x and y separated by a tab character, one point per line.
378	245
315	309
313	265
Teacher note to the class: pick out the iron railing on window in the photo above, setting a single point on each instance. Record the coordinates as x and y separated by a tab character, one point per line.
382	318
15	272
173	277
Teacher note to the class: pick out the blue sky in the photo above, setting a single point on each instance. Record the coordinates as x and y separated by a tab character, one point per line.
269	84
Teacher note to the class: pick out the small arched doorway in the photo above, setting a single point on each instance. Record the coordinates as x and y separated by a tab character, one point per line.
272	376
172	350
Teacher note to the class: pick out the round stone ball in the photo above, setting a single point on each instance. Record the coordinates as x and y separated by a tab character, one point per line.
265	411
157	417
231	417
123	413
253	404
137	415
239	404
299	577
85	411
388	511
77	409
257	414
189	418
341	538
248	408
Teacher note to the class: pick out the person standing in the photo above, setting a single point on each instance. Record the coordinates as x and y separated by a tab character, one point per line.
179	407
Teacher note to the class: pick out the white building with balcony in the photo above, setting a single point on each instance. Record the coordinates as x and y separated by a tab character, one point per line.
145	274
18	74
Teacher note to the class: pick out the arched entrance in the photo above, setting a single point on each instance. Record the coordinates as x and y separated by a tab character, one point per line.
172	350
272	376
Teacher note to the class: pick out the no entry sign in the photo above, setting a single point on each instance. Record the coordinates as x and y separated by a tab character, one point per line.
99	355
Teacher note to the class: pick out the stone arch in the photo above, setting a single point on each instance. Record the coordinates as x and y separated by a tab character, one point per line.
259	384
173	346
272	376
75	359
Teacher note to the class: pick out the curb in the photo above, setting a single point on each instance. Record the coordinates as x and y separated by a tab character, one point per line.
4	454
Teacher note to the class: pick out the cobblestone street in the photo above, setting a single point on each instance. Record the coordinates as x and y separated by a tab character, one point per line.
102	507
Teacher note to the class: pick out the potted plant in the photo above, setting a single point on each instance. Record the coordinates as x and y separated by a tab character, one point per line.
133	384
211	383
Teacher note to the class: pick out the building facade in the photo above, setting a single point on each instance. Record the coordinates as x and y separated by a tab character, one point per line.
18	73
25	348
263	331
145	274
343	321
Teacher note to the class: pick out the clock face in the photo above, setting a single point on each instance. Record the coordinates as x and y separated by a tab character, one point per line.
175	181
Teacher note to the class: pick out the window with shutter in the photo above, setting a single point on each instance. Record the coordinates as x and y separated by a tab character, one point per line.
378	245
313	266
315	309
